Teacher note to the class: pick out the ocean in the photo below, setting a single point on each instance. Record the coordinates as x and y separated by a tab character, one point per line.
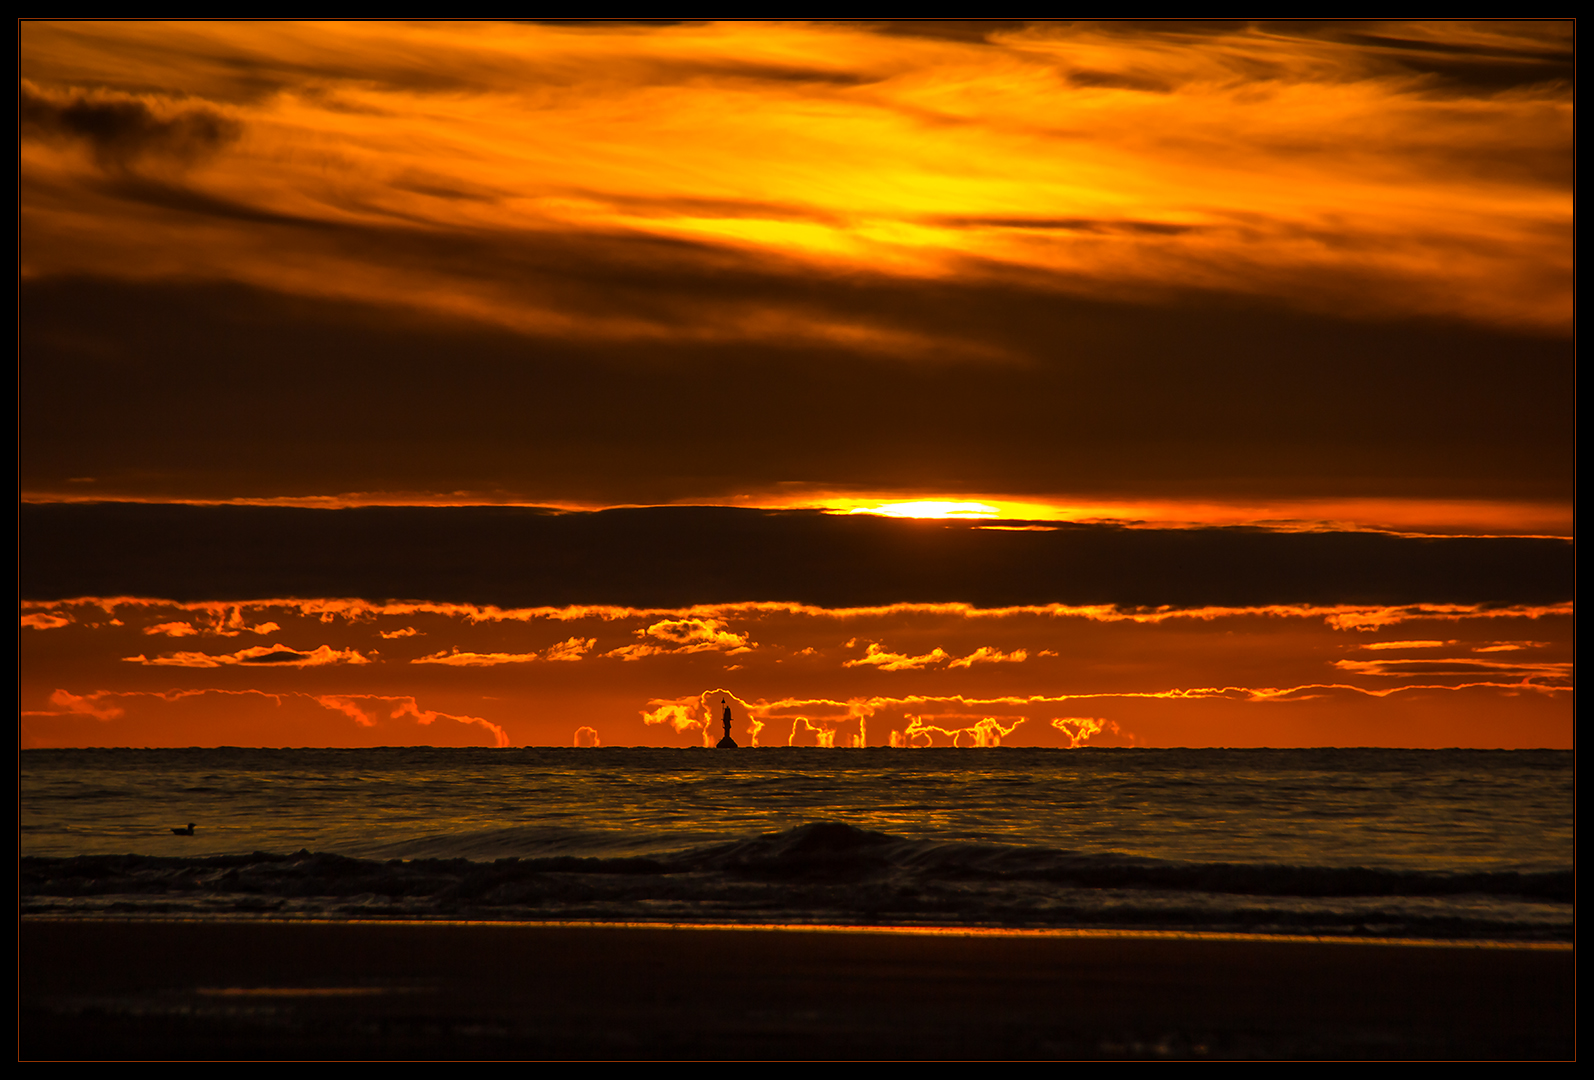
1393	844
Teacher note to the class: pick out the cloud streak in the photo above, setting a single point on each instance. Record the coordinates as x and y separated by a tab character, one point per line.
367	711
569	650
877	656
671	557
255	656
939	156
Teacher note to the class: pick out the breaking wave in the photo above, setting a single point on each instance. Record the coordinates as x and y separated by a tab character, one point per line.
820	872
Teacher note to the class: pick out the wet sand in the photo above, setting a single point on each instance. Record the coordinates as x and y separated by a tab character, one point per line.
274	990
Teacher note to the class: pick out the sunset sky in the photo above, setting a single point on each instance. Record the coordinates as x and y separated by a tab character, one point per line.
1155	384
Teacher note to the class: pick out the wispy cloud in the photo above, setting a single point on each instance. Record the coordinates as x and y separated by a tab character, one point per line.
571	649
255	656
1271	160
877	656
368	710
689	634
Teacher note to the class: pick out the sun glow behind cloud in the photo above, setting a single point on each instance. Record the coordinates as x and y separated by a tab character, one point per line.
1413	516
1416	516
929	508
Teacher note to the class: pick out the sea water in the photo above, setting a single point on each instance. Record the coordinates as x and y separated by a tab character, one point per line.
1368	842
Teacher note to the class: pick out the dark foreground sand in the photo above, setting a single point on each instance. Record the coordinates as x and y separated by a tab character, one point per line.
139	989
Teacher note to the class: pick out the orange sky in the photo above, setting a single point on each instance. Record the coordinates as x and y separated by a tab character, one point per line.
1268	161
1293	276
353	673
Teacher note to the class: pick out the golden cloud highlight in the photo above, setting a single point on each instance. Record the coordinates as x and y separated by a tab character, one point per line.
571	649
680	714
689	634
1105	664
1360	617
701	714
1424	644
363	710
255	656
243	717
985	654
876	656
1545	675
1121	159
829	723
988	731
171	629
1079	729
88	704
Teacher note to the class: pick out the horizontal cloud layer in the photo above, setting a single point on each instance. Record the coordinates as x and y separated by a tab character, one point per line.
902	674
675	556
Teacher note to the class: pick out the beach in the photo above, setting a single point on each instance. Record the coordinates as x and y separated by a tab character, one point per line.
929	904
122	989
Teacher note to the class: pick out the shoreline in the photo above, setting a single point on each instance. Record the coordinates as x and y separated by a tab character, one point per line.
243	988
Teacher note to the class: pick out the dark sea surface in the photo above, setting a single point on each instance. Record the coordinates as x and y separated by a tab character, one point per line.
1438	844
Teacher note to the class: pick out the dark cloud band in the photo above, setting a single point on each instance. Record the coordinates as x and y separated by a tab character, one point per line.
673	556
122	129
181	391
